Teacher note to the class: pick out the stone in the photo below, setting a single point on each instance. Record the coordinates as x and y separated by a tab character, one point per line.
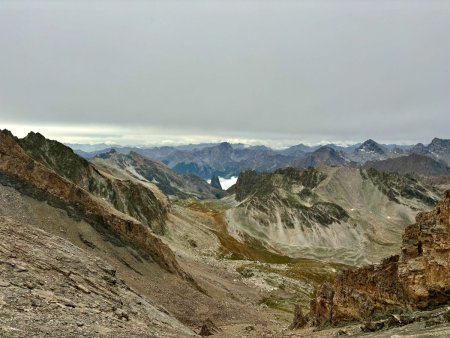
215	182
208	329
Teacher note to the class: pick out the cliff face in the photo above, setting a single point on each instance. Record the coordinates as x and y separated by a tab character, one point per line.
418	278
32	178
425	265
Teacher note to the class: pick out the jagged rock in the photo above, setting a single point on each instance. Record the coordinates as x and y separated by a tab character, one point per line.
321	311
299	319
425	265
208	329
418	278
215	182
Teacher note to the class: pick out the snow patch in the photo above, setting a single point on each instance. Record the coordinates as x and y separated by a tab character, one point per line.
226	183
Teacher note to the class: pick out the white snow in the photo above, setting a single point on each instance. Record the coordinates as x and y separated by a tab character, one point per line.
226	182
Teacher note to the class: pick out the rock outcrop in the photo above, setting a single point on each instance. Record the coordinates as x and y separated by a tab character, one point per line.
418	278
215	182
424	269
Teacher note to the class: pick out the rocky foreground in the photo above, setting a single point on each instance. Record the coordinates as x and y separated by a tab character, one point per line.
50	287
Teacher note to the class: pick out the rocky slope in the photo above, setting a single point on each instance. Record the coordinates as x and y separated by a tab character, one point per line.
142	202
418	278
342	214
49	287
34	179
169	182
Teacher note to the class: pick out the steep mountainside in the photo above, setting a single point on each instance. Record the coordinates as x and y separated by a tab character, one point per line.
341	214
50	287
418	278
144	203
411	164
147	170
34	179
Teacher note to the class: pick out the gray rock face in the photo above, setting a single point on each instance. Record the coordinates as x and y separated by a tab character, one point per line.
50	287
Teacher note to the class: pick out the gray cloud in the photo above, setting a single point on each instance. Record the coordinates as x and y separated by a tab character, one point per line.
265	70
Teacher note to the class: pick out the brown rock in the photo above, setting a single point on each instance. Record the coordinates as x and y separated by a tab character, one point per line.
321	312
208	329
299	319
418	278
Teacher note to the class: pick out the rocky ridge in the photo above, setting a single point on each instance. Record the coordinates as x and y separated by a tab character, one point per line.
32	178
144	169
127	196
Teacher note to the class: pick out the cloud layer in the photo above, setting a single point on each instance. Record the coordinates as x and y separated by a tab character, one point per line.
277	71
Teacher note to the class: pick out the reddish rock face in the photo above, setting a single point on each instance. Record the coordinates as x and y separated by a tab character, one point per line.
418	278
425	266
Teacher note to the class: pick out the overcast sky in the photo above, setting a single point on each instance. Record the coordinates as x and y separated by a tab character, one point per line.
272	72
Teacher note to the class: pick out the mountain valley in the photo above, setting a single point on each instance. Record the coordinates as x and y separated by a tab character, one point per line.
122	242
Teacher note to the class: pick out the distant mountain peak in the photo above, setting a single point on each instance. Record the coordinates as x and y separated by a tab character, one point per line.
225	146
371	146
438	144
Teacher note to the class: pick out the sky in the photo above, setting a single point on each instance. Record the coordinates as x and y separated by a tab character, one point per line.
257	72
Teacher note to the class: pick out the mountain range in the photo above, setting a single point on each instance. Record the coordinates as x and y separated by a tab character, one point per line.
225	159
